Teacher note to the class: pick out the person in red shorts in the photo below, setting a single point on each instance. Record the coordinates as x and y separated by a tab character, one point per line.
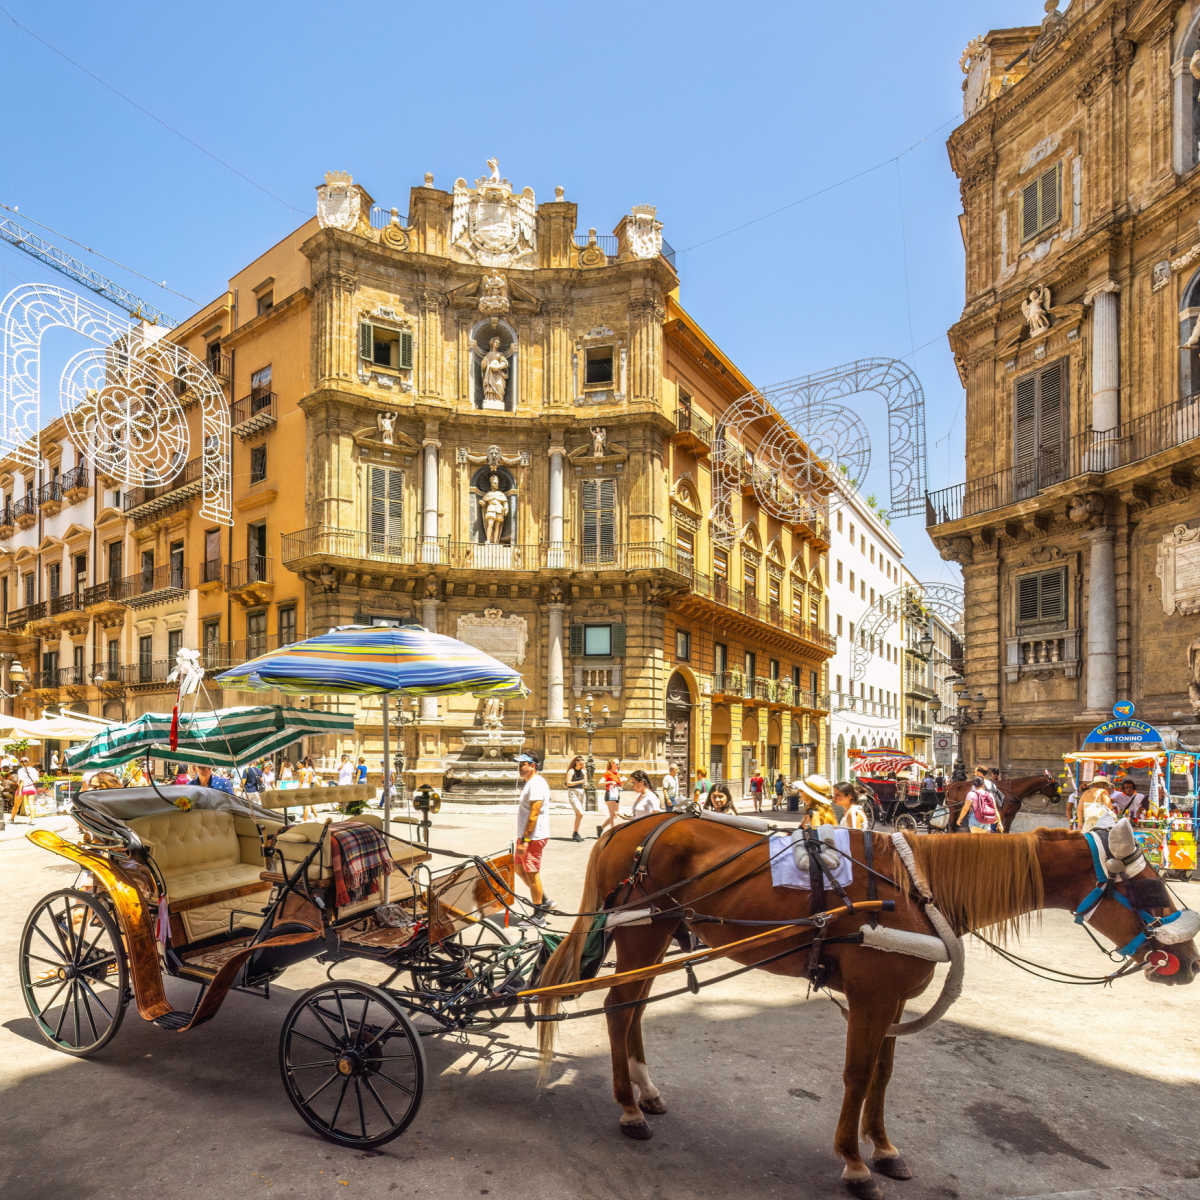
533	831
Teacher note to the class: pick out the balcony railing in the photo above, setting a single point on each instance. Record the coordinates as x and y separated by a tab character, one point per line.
255	569
67	602
253	412
151	585
728	683
25	506
687	420
221	365
220	656
77	477
1089	452
111	591
190	476
720	591
382	217
606	241
146	670
212	570
18	617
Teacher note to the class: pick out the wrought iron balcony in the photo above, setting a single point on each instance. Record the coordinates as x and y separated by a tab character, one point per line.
151	586
25	506
145	501
18	618
253	413
212	571
146	671
252	570
693	429
1087	453
221	365
67	602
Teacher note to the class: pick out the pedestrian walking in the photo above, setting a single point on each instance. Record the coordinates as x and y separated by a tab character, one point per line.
576	782
252	781
345	776
360	771
306	776
777	802
268	775
285	770
979	809
1096	805
704	786
646	801
612	795
533	831
27	789
756	789
670	788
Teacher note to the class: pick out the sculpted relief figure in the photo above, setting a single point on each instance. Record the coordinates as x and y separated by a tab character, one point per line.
493	713
386	423
493	509
1036	309
494	372
599	437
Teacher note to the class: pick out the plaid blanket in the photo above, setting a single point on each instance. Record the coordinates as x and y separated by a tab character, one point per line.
359	854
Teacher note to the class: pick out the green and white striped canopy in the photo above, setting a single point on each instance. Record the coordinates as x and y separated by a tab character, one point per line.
220	738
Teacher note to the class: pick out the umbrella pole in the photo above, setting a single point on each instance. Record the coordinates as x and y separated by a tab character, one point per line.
387	789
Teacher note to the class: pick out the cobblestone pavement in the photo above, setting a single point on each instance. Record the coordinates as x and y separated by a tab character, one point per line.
1026	1089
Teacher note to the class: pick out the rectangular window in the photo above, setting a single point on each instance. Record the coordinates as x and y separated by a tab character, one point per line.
598	641
683	645
112	668
174	645
116	560
77	667
178	575
598	526
383	347
773	668
598	367
212	556
1039	429
260	389
839	625
145	658
263	303
852	581
685	550
256	632
79	581
750	582
53	580
750	663
287	624
256	551
839	570
1040	207
839	522
720	658
814	681
258	463
773	588
1042	597
386	517
30	588
211	641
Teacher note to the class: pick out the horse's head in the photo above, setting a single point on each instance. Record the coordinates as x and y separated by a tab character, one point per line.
1124	898
1051	788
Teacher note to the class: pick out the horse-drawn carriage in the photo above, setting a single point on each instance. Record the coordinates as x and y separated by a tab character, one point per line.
896	783
198	885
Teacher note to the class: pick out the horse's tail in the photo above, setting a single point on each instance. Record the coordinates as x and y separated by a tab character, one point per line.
563	964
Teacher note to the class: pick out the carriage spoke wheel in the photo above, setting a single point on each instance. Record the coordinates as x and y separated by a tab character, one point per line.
74	976
352	1063
906	823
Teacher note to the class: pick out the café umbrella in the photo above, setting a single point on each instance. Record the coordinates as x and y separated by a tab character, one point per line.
377	660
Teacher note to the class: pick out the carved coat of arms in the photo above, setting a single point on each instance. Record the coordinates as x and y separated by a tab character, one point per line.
645	231
339	202
491	226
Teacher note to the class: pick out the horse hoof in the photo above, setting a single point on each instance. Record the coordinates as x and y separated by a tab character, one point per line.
638	1130
654	1107
894	1167
864	1189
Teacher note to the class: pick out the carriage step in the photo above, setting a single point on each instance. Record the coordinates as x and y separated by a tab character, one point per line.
175	1019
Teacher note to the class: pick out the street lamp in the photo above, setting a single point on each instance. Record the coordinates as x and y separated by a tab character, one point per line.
961	720
16	677
585	720
403	719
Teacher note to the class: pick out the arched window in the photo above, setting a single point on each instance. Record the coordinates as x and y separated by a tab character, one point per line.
1186	141
1189	339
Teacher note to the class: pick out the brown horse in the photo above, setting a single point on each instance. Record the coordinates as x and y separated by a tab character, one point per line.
1014	791
687	875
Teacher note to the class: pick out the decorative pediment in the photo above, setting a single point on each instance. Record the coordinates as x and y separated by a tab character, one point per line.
684	494
76	533
599	450
774	554
383	438
109	513
749	537
24	554
49	542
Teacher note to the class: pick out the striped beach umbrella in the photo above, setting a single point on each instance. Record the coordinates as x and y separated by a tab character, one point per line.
220	738
371	660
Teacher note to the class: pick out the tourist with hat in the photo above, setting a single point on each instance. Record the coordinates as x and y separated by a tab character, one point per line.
533	832
817	793
1096	806
27	788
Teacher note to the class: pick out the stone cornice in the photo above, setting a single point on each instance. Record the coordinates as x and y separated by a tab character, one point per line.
298	300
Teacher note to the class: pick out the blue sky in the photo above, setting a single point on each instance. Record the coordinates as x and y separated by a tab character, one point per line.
717	114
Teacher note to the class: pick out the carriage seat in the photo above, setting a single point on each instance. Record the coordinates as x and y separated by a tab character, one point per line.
203	854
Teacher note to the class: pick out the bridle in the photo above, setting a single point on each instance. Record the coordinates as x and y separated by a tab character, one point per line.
1112	870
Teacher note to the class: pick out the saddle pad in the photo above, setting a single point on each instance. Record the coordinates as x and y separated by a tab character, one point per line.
783	847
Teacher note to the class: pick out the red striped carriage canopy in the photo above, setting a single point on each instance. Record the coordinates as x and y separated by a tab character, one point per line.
883	760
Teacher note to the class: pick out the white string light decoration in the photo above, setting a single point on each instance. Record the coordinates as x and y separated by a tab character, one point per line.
118	397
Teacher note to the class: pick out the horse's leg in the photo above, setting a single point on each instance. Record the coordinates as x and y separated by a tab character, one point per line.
887	1160
871	1012
649	1097
635	948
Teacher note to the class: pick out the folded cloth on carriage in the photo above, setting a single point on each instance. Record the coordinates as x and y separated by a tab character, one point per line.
790	866
359	856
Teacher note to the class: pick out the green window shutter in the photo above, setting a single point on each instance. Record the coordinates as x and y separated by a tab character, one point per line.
366	340
406	349
618	641
576	641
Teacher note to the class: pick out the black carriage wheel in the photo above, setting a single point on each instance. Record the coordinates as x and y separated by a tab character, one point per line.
74	976
475	952
352	1064
905	822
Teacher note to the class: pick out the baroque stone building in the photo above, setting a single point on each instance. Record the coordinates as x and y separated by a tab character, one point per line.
471	417
1078	525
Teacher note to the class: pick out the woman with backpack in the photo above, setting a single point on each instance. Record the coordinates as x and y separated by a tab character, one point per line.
979	809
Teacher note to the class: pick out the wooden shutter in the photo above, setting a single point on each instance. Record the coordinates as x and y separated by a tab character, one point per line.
618	640
406	350
575	647
385	520
1029	211
366	340
1027	599
1051	600
1025	447
599	524
1051	425
1048	198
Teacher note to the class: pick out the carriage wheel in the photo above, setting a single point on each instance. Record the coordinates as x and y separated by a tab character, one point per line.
474	953
73	971
905	822
352	1063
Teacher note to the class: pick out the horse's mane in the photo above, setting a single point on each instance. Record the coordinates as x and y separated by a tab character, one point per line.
979	880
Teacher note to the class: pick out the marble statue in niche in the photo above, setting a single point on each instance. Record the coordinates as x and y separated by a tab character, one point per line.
493	373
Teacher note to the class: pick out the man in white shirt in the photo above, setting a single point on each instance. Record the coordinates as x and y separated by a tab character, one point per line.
1127	800
533	831
670	787
345	772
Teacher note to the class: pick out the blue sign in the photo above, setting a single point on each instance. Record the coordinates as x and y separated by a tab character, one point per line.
1123	731
1123	708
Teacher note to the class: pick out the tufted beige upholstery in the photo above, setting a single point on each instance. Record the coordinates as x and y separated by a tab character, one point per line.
201	853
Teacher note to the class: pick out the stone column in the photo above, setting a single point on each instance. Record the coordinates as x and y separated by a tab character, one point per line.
1101	622
555	557
555	706
429	618
1106	378
429	502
